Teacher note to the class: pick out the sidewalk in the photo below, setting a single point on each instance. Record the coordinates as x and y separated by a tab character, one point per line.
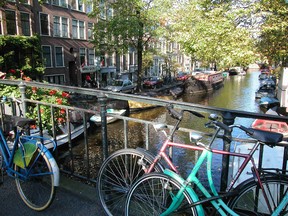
72	199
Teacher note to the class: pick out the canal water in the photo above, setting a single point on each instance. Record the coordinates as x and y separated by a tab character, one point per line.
238	93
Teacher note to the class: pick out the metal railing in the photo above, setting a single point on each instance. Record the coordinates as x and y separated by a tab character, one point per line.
102	97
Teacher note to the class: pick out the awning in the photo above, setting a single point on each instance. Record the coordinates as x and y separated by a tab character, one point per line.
89	69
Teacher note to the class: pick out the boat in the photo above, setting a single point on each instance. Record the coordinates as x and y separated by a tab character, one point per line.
266	91
63	137
234	71
176	92
268	102
117	112
204	82
270	125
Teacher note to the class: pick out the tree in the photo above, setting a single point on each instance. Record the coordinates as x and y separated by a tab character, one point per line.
124	24
208	31
272	43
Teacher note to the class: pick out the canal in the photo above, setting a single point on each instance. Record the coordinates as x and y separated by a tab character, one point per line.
238	93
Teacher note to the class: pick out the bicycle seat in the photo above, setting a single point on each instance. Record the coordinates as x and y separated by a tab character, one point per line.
267	137
21	122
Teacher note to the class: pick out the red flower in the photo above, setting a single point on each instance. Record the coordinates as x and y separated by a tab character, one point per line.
12	71
65	95
62	111
61	120
34	90
52	92
59	101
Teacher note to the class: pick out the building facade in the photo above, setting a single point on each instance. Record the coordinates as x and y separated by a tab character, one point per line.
68	53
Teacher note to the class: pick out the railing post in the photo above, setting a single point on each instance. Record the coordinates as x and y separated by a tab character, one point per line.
228	119
22	88
103	105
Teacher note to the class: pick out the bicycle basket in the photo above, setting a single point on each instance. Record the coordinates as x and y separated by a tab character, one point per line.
29	150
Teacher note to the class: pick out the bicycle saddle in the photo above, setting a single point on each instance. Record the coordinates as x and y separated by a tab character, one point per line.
267	137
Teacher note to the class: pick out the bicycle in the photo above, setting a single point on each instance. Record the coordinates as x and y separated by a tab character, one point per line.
168	193
30	163
122	168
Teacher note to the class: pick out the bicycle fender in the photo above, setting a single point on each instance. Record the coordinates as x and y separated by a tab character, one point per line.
54	166
190	190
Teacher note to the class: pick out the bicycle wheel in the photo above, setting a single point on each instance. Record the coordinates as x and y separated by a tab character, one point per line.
118	172
152	195
250	199
37	188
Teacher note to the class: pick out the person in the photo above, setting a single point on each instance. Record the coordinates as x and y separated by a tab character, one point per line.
88	78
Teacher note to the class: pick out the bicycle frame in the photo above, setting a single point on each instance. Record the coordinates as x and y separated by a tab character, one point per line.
206	154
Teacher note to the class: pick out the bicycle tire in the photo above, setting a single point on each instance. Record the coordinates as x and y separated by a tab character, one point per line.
116	176
251	202
37	190
151	195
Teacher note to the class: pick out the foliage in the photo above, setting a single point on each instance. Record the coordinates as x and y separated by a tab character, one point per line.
22	53
208	32
39	94
272	43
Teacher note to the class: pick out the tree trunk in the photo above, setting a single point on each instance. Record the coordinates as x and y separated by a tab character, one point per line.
140	56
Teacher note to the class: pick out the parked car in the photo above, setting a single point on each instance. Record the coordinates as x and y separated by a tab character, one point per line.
182	76
125	86
153	82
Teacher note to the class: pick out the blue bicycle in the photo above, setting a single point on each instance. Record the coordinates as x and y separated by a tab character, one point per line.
30	163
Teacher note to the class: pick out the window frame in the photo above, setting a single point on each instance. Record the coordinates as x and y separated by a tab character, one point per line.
48	26
50	56
56	55
29	23
16	29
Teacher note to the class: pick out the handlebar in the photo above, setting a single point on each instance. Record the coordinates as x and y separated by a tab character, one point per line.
267	137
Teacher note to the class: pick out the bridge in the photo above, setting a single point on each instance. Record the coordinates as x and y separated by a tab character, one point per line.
89	175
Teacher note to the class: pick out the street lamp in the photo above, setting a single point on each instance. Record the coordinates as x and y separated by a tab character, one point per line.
75	56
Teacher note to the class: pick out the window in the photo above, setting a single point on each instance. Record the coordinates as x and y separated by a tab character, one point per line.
59	56
89	7
81	30
74	28
25	23
11	22
46	56
78	29
56	26
57	79
82	53
44	24
91	56
90	31
62	3
60	26
1	25
64	27
77	5
102	9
